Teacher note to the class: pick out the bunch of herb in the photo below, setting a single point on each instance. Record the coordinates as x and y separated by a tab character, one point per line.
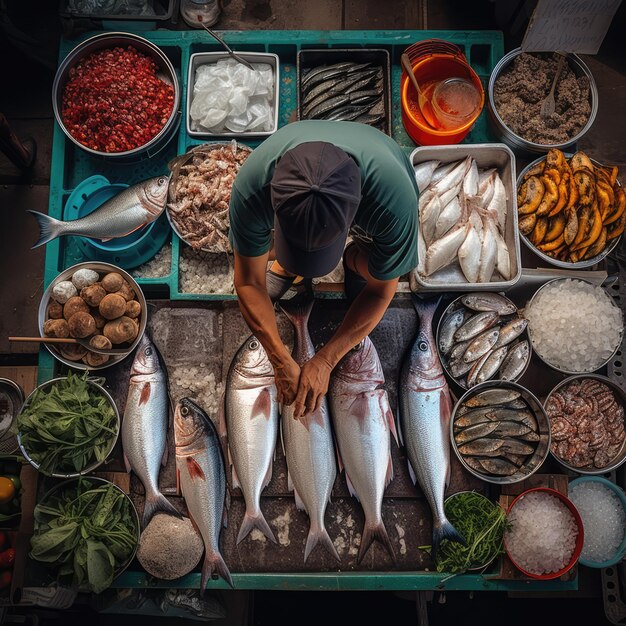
67	427
88	531
481	523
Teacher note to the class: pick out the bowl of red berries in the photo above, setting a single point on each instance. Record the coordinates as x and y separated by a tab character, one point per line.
116	95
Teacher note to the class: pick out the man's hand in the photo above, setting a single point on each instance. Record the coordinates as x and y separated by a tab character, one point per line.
313	385
287	376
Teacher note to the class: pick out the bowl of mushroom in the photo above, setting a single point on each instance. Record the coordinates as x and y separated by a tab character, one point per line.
93	301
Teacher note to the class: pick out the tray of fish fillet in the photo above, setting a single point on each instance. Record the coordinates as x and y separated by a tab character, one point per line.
468	237
349	85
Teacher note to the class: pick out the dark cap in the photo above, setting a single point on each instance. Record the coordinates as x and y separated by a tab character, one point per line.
315	191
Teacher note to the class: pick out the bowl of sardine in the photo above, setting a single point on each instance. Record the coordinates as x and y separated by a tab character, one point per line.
500	432
481	336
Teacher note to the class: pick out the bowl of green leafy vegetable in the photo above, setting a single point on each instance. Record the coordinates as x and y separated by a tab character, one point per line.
481	523
68	426
86	530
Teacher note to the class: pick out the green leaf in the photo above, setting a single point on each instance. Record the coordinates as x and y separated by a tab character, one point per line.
51	545
100	566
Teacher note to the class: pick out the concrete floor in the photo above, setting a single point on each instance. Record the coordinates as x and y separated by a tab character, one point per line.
25	100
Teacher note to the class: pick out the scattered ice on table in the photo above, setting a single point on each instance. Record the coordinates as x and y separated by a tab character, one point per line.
257	535
157	267
281	524
228	96
340	544
204	272
200	383
401	533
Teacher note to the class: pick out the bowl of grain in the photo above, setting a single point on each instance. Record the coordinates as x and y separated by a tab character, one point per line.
586	416
517	86
545	535
602	507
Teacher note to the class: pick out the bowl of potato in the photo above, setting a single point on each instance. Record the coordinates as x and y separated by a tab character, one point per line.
96	302
571	209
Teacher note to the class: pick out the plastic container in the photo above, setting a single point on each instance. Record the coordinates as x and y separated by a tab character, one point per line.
516	142
619	492
620	396
580	539
434	61
128	252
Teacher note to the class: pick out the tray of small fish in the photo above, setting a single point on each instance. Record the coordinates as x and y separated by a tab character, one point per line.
481	336
468	237
349	85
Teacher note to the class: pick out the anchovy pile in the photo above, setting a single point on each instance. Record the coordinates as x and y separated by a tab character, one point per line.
346	92
496	432
479	339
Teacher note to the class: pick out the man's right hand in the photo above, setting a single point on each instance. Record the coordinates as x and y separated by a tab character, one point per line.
287	378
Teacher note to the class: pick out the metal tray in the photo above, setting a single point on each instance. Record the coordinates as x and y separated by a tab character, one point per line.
308	59
487	155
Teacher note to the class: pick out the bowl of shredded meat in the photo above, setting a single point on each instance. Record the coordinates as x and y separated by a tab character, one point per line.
199	194
519	84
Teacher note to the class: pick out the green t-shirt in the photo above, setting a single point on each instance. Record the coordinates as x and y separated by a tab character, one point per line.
387	214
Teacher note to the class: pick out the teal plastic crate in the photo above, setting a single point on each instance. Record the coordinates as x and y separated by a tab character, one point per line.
71	165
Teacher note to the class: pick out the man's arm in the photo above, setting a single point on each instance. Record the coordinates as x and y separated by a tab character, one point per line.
362	317
258	311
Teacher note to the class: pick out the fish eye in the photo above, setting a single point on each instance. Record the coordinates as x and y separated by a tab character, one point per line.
423	346
253	345
358	347
148	351
184	410
160	181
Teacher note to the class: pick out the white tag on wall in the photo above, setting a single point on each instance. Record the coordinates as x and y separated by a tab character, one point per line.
577	26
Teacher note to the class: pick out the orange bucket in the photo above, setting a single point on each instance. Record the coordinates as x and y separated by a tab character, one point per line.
433	61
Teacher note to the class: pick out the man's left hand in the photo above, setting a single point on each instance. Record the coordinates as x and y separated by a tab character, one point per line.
313	385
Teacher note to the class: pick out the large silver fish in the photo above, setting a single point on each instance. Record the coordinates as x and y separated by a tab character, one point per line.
363	421
425	409
121	215
144	427
308	444
202	480
251	412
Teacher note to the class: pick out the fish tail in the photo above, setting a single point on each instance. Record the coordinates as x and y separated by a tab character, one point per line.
375	532
445	530
298	313
214	564
49	228
425	307
252	521
319	535
157	503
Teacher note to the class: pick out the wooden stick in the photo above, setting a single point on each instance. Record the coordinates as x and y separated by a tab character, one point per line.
45	339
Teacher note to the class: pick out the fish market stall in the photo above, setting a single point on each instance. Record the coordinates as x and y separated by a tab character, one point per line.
171	314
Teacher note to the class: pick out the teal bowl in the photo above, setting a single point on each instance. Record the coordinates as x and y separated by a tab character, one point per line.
621	550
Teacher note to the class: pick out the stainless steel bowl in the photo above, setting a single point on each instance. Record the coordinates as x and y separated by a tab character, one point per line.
543	445
96	479
100	268
90	468
551	260
620	396
14	399
541	357
166	73
519	143
451	308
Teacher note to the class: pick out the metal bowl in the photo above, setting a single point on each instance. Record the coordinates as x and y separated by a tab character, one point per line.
504	133
166	73
620	396
13	396
541	357
96	479
618	491
543	445
551	260
100	268
451	308
90	468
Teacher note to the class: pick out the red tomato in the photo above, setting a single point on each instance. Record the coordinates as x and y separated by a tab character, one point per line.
7	558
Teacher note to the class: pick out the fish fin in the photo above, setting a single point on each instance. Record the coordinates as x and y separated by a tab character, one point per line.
319	535
105	239
400	440
144	396
297	313
178	484
298	499
214	564
282	438
268	476
235	479
49	228
351	488
250	522
127	465
289	482
376	532
442	531
339	461
225	516
262	405
425	308
389	474
448	473
359	406
194	469
385	407
411	472
157	503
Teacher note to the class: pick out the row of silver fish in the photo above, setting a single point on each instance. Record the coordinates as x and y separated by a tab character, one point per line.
496	432
463	217
480	339
346	91
123	214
